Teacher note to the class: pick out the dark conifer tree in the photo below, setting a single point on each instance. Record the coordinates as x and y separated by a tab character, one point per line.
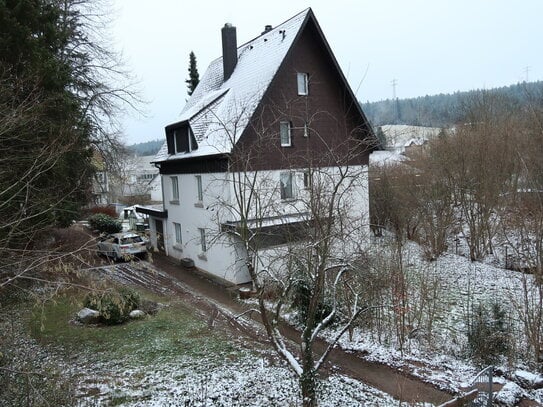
56	106
194	77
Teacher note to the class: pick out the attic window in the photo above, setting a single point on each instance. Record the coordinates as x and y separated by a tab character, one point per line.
181	140
303	83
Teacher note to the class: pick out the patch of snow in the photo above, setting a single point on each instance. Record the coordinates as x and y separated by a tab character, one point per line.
509	395
528	379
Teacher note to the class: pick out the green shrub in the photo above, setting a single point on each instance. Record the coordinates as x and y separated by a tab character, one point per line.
114	305
488	333
105	223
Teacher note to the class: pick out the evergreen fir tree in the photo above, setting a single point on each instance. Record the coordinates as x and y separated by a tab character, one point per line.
56	107
194	77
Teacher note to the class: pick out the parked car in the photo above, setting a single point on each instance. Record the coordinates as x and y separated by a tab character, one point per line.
123	246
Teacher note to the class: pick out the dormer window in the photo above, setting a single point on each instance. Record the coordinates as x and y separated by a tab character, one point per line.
180	139
303	83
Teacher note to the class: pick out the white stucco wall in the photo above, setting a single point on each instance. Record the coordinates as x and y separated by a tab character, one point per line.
352	199
223	257
155	189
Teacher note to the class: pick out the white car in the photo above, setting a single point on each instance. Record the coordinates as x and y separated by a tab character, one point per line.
123	246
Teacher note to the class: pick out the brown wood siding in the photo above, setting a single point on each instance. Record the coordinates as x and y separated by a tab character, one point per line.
197	165
336	127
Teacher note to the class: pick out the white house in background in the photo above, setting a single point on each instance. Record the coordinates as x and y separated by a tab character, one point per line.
400	137
139	177
146	177
271	112
399	141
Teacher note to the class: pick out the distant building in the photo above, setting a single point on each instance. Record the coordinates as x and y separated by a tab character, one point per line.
400	141
137	181
100	182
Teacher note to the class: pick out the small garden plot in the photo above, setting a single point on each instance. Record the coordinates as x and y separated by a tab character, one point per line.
172	358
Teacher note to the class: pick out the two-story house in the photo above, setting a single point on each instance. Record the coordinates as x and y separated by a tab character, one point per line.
265	118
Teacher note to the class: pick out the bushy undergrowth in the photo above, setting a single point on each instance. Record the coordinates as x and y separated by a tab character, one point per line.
114	305
26	377
488	333
301	299
105	224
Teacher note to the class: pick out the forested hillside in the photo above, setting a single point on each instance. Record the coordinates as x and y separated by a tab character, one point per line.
444	109
146	148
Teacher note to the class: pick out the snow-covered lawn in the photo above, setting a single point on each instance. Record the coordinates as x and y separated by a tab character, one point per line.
443	359
247	381
172	358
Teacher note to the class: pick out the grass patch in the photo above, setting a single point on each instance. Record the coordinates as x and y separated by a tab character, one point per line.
175	332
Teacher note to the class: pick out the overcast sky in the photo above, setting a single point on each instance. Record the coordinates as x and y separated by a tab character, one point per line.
428	46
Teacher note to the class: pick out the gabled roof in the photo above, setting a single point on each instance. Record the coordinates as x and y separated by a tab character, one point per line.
219	111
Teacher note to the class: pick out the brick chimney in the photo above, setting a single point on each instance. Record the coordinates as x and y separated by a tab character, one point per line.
229	50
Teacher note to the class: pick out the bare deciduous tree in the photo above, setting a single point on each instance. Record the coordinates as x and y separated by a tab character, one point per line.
303	224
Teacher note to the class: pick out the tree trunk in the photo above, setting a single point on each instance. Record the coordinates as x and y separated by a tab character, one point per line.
308	379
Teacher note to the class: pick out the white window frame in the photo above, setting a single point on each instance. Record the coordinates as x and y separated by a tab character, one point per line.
189	135
302	80
175	189
178	233
203	243
307	179
286	185
175	141
200	190
285	126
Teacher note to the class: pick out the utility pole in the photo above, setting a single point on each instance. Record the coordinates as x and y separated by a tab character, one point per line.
395	101
394	82
527	73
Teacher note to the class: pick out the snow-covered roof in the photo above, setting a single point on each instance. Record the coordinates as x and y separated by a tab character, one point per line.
144	163
401	135
383	158
219	111
286	219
